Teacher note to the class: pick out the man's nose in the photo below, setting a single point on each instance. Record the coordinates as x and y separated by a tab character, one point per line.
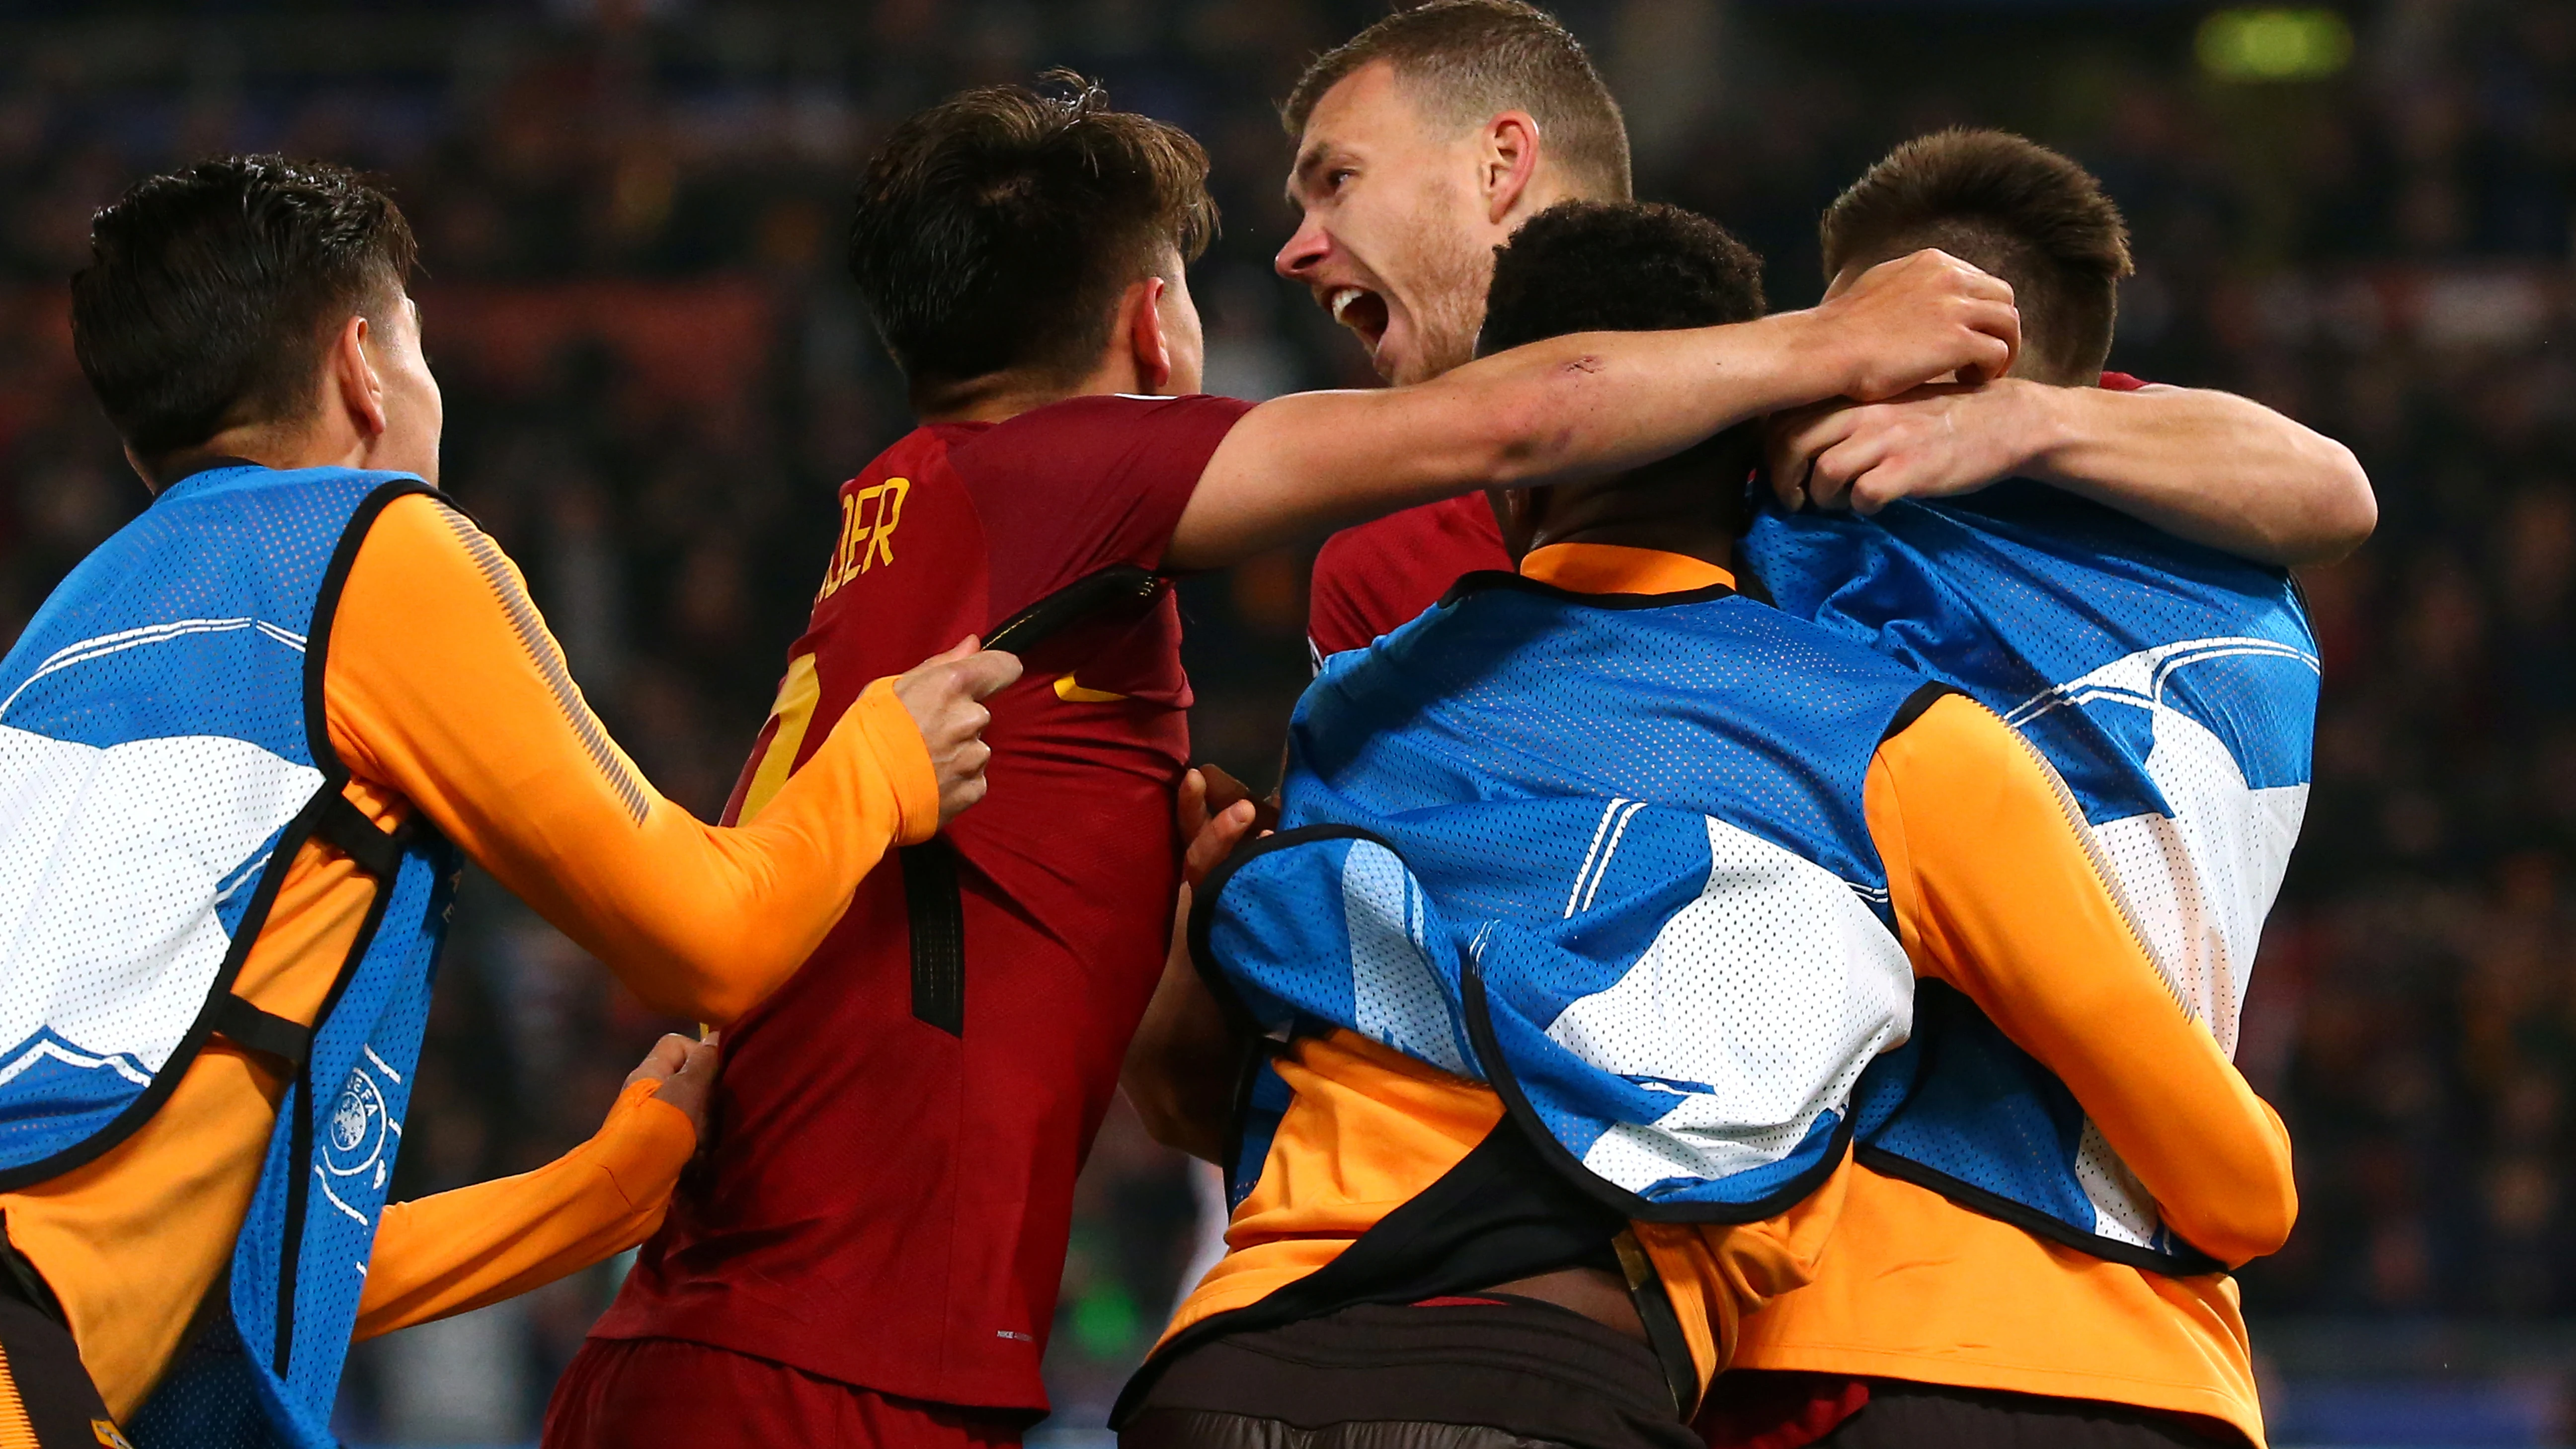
1304	251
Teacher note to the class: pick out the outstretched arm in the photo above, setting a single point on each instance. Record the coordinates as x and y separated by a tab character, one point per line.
459	1250
444	687
1580	407
1997	893
2211	467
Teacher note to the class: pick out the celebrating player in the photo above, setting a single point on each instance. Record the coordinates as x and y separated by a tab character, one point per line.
1429	137
877	1248
1595	893
1475	80
2001	1262
248	741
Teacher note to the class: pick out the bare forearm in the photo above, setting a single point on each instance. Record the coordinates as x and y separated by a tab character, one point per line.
1585	406
2207	466
1184	1061
1559	411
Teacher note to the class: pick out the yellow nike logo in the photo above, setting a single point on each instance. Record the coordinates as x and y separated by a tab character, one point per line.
1066	689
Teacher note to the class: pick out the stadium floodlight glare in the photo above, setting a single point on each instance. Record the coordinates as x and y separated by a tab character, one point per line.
2274	44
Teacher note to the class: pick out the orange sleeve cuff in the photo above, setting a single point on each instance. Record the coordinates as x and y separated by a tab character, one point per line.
458	1251
1997	892
902	756
642	1147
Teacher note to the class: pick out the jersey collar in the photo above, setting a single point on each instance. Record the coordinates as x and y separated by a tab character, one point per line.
1609	568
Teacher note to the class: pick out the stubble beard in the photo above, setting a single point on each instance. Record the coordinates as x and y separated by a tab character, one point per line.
1448	300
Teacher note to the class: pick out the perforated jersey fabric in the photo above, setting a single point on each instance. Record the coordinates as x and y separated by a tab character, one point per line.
163	755
1605	853
2174	689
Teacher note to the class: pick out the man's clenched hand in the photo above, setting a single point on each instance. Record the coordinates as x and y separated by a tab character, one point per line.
945	695
1920	318
687	1071
1934	442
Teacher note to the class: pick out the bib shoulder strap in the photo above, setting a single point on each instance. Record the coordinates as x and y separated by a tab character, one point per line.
377	851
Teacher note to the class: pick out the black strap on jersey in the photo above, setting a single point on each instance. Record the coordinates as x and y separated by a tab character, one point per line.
1063	630
936	907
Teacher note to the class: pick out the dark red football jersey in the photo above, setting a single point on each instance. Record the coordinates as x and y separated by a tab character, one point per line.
1373	578
895	1140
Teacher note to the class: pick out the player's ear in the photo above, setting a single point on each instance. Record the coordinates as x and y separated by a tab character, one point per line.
352	386
1509	162
1147	342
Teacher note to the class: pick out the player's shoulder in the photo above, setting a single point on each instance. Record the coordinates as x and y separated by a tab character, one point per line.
424	527
1428	535
1372	578
1116	412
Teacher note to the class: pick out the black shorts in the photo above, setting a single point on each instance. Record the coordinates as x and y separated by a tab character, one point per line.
1902	1415
43	1386
1510	1373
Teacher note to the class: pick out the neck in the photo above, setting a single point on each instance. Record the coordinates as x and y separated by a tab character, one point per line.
1000	396
1610	519
267	445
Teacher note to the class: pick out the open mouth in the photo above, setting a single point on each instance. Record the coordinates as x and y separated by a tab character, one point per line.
1359	309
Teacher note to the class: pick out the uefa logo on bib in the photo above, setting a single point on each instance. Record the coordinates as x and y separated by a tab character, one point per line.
359	1121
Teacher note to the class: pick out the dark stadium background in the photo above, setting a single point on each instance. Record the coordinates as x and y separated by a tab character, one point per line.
656	375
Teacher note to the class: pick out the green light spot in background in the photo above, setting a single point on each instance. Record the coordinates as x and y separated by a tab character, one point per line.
1105	1321
2266	45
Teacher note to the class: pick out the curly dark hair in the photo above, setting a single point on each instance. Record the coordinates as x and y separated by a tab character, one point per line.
995	230
1626	266
1617	266
213	290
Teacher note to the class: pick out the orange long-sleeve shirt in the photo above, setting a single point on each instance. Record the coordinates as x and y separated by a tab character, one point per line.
445	694
460	1250
1995	892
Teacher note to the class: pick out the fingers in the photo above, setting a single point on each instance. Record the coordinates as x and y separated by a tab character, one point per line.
667	1059
698	1058
983	673
954	652
1189	808
1993	341
1795	441
1212	845
1975	281
1223	788
1830	480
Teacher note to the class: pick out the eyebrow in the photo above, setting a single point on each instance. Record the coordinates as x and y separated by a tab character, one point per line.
1309	161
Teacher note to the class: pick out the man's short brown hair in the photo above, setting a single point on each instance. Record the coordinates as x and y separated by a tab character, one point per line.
214	291
2016	209
996	230
1467	60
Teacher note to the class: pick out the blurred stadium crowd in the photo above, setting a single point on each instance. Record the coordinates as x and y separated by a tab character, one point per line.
656	375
